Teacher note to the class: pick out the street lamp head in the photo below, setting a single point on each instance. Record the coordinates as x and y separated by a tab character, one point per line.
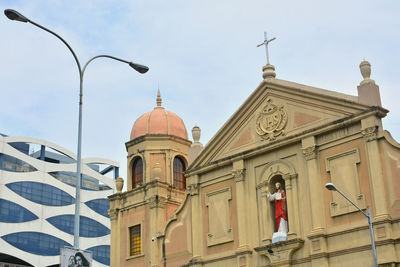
14	15
139	68
331	187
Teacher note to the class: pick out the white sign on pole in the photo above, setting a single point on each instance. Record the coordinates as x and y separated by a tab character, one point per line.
71	257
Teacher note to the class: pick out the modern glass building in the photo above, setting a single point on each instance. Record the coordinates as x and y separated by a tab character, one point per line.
37	203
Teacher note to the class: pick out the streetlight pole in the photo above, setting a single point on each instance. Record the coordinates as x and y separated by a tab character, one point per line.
14	15
332	187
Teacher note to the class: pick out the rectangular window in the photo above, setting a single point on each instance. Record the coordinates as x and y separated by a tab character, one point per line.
135	240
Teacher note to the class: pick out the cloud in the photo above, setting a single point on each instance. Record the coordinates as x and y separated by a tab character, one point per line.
203	55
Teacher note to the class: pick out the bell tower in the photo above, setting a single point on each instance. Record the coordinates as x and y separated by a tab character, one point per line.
157	159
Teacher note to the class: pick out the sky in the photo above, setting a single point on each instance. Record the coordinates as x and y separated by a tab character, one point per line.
202	56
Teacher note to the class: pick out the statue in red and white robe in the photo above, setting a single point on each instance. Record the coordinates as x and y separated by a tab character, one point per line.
280	208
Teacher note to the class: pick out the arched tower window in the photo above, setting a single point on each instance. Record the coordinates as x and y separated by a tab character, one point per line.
179	169
137	172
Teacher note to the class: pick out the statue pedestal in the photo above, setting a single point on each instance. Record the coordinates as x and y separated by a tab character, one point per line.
280	254
279	237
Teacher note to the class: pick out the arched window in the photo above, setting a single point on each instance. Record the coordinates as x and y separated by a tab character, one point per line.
137	172
179	169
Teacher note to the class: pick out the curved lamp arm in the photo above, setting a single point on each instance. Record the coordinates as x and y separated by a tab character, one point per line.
15	15
138	67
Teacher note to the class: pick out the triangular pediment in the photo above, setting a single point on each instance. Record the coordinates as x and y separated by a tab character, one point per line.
274	111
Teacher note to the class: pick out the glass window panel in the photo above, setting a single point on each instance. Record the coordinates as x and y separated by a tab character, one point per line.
41	193
87	182
100	205
36	243
104	169
24	147
101	254
87	227
11	212
52	155
35	151
13	164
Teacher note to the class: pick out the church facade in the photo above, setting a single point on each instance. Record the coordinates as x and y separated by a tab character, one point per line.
285	135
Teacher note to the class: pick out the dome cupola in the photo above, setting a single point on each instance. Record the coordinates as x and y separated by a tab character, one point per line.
159	121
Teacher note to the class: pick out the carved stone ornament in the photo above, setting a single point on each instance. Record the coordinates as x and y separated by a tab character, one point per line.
271	121
239	175
310	152
113	213
193	189
370	133
157	202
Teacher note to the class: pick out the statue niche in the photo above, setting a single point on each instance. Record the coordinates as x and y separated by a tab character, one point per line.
278	205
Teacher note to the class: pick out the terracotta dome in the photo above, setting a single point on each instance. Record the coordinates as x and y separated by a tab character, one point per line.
159	121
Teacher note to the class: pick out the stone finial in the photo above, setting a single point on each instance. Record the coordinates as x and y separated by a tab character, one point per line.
368	91
365	68
269	71
196	131
119	184
158	100
196	147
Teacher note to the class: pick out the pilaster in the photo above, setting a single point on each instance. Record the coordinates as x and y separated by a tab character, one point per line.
310	153
239	174
146	167
293	212
197	240
115	237
157	214
168	167
370	128
318	248
265	212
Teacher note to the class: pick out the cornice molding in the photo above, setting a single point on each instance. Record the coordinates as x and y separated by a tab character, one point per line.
337	124
157	137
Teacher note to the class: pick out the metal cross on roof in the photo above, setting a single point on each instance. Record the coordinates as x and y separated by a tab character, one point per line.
266	42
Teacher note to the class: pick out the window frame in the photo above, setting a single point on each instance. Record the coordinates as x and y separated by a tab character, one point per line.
129	243
135	184
179	182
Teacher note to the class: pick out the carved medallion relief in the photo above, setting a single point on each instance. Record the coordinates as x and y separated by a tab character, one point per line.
271	121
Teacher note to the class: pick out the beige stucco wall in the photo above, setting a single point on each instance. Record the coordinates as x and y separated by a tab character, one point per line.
390	156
